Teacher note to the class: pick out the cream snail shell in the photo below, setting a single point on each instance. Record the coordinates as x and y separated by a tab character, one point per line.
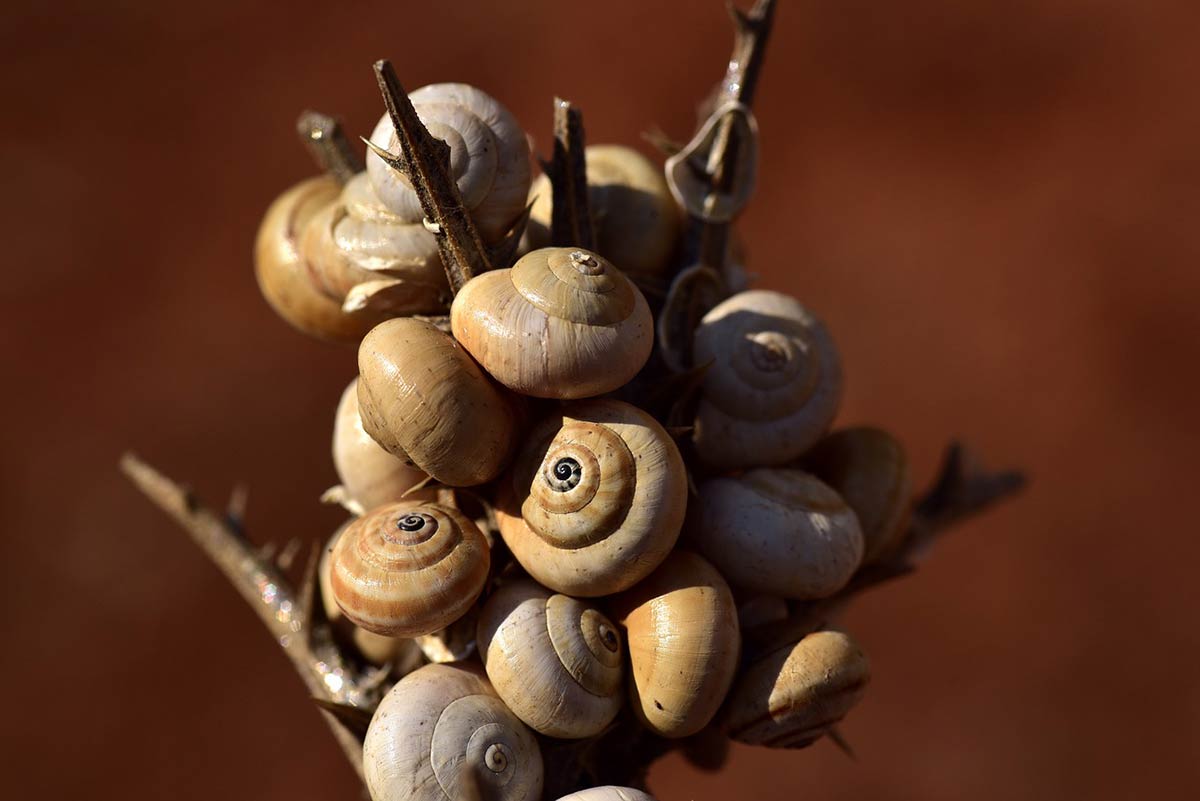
562	323
442	734
777	531
424	400
774	385
557	662
868	467
408	568
608	793
596	499
634	217
792	696
682	632
489	157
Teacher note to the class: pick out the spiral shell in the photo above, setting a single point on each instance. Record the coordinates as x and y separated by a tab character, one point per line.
608	793
424	400
441	734
596	500
408	568
682	630
777	531
556	662
794	695
634	218
489	157
562	323
774	385
868	467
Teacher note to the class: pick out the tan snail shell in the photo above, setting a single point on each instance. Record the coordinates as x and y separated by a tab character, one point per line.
442	734
363	256
774	385
868	467
408	568
682	631
424	400
777	531
634	217
370	475
562	323
557	662
283	276
489	157
608	793
794	695
595	500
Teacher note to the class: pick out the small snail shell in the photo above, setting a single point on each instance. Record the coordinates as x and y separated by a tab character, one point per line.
283	276
682	633
370	475
794	695
778	531
556	662
408	568
356	246
608	793
424	400
596	499
867	467
489	157
441	734
774	384
634	217
562	323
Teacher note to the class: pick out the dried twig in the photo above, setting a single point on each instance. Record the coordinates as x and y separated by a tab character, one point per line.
570	220
328	145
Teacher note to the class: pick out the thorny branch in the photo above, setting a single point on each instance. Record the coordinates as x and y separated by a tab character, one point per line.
328	145
570	220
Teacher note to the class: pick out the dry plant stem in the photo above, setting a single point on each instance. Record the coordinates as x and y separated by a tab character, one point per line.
425	162
328	145
570	221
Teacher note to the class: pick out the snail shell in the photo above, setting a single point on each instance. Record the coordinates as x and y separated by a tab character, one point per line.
424	400
774	384
634	217
489	157
608	793
868	467
408	568
441	734
557	662
794	695
777	531
284	278
562	323
682	631
596	500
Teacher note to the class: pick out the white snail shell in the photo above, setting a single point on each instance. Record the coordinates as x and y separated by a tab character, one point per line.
774	385
608	793
557	662
596	499
489	156
442	734
778	531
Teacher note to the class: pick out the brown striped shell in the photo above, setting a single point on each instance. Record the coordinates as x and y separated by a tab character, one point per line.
409	568
596	499
557	662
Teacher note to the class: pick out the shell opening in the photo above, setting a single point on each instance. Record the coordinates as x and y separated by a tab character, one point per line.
609	637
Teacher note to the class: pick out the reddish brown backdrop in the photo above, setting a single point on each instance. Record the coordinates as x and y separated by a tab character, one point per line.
992	203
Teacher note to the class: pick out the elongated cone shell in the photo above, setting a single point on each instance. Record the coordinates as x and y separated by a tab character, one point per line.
774	385
489	156
409	568
682	628
634	218
781	532
562	323
284	278
442	734
424	400
608	793
794	695
868	467
596	499
557	662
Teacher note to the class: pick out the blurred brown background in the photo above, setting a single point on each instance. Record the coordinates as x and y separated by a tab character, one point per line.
993	204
